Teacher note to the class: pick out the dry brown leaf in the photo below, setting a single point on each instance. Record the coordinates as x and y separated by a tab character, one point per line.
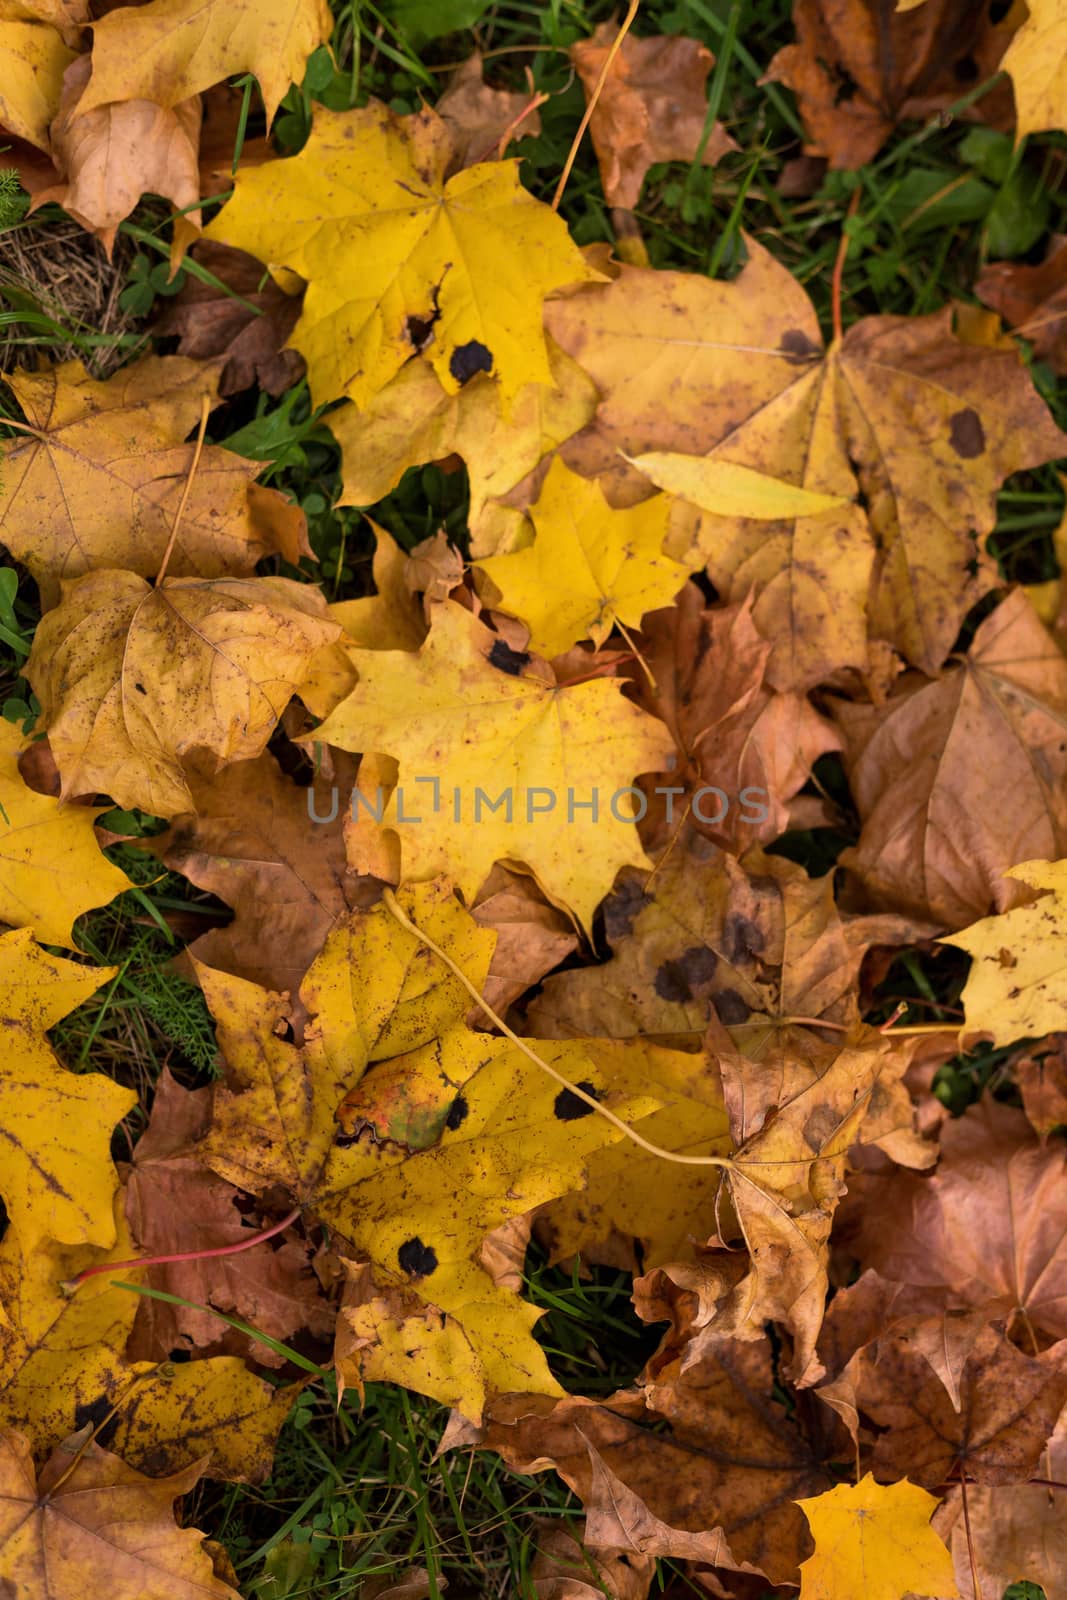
483	121
1041	1075
212	322
1032	300
532	937
652	107
98	479
1018	1533
861	66
957	780
108	158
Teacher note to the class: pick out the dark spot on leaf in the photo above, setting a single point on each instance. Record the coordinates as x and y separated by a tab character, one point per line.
508	660
820	1127
621	908
418	1260
741	939
140	688
568	1107
678	980
468	359
94	1413
966	434
419	330
457	1113
732	1008
799	347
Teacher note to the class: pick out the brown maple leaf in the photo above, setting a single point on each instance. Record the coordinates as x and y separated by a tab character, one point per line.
1032	300
652	107
220	319
484	121
861	66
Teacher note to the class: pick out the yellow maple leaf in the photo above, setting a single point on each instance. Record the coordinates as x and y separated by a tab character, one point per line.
510	755
235	651
588	567
56	1174
389	249
51	866
1036	61
35	59
170	49
875	1540
1017	984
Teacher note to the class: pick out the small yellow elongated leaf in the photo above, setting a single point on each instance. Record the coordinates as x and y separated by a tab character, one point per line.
729	490
875	1540
1017	985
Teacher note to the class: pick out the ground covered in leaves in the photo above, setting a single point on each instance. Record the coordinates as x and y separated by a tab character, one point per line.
533	799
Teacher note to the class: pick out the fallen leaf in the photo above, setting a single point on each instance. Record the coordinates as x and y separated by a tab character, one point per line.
108	157
1036	62
168	50
652	107
35	59
1032	300
1016	983
483	121
237	651
859	67
876	1541
56	1175
588	568
87	1506
1017	1535
532	937
466	713
215	321
333	205
1042	1080
53	867
97	481
958	779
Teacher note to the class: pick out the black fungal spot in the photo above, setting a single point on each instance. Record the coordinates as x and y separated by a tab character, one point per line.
419	330
678	980
798	347
508	660
457	1113
468	359
732	1008
567	1106
966	434
621	908
418	1260
140	688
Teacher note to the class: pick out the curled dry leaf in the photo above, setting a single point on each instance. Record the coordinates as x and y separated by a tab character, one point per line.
652	107
78	497
484	121
109	157
236	649
861	66
1032	300
532	937
1017	1535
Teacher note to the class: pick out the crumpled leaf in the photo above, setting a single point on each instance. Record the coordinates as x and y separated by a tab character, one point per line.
987	1230
589	566
51	866
1017	981
468	711
1032	300
108	157
56	1175
210	321
1042	1081
922	421
652	107
57	1529
170	49
1017	1534
876	1541
98	481
35	59
1036	62
378	274
861	66
532	937
958	779
236	651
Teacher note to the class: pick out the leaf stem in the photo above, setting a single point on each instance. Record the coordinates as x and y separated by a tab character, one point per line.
185	1255
205	408
839	264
